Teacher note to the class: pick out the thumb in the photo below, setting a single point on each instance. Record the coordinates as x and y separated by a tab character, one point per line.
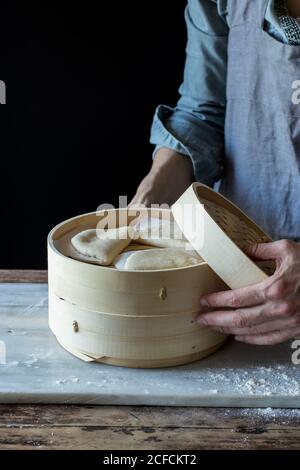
263	251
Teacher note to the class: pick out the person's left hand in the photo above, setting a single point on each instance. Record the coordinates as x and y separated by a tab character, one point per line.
264	313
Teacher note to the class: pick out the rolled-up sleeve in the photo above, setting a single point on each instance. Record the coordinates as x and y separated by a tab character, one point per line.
195	127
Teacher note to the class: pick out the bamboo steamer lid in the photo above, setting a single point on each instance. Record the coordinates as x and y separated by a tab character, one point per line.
218	230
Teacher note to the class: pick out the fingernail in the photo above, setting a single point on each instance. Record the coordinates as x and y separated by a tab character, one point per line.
202	320
203	302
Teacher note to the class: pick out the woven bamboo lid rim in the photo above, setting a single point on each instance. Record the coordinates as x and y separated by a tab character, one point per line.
219	245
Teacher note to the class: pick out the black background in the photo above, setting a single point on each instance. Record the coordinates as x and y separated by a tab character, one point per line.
83	81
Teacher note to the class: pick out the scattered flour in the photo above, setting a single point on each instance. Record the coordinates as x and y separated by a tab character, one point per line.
259	381
68	380
284	415
13	363
31	361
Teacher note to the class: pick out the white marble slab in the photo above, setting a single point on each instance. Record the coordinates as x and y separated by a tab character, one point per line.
38	370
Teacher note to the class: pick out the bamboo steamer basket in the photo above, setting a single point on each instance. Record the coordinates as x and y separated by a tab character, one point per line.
127	318
147	318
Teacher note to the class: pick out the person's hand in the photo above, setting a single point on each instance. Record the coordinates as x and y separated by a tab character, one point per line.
264	313
170	175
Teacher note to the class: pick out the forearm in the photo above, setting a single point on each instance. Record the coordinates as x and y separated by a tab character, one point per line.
170	175
166	158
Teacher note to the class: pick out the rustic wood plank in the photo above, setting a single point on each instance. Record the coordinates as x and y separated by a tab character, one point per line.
23	275
133	438
153	428
147	416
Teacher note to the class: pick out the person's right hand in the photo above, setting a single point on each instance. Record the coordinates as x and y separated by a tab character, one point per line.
170	175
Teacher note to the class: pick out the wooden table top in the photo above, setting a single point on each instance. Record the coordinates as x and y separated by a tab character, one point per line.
141	427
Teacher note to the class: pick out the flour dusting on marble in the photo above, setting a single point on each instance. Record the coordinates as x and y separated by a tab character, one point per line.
258	381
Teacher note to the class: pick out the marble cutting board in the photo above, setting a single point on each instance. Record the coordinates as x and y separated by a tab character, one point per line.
35	369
